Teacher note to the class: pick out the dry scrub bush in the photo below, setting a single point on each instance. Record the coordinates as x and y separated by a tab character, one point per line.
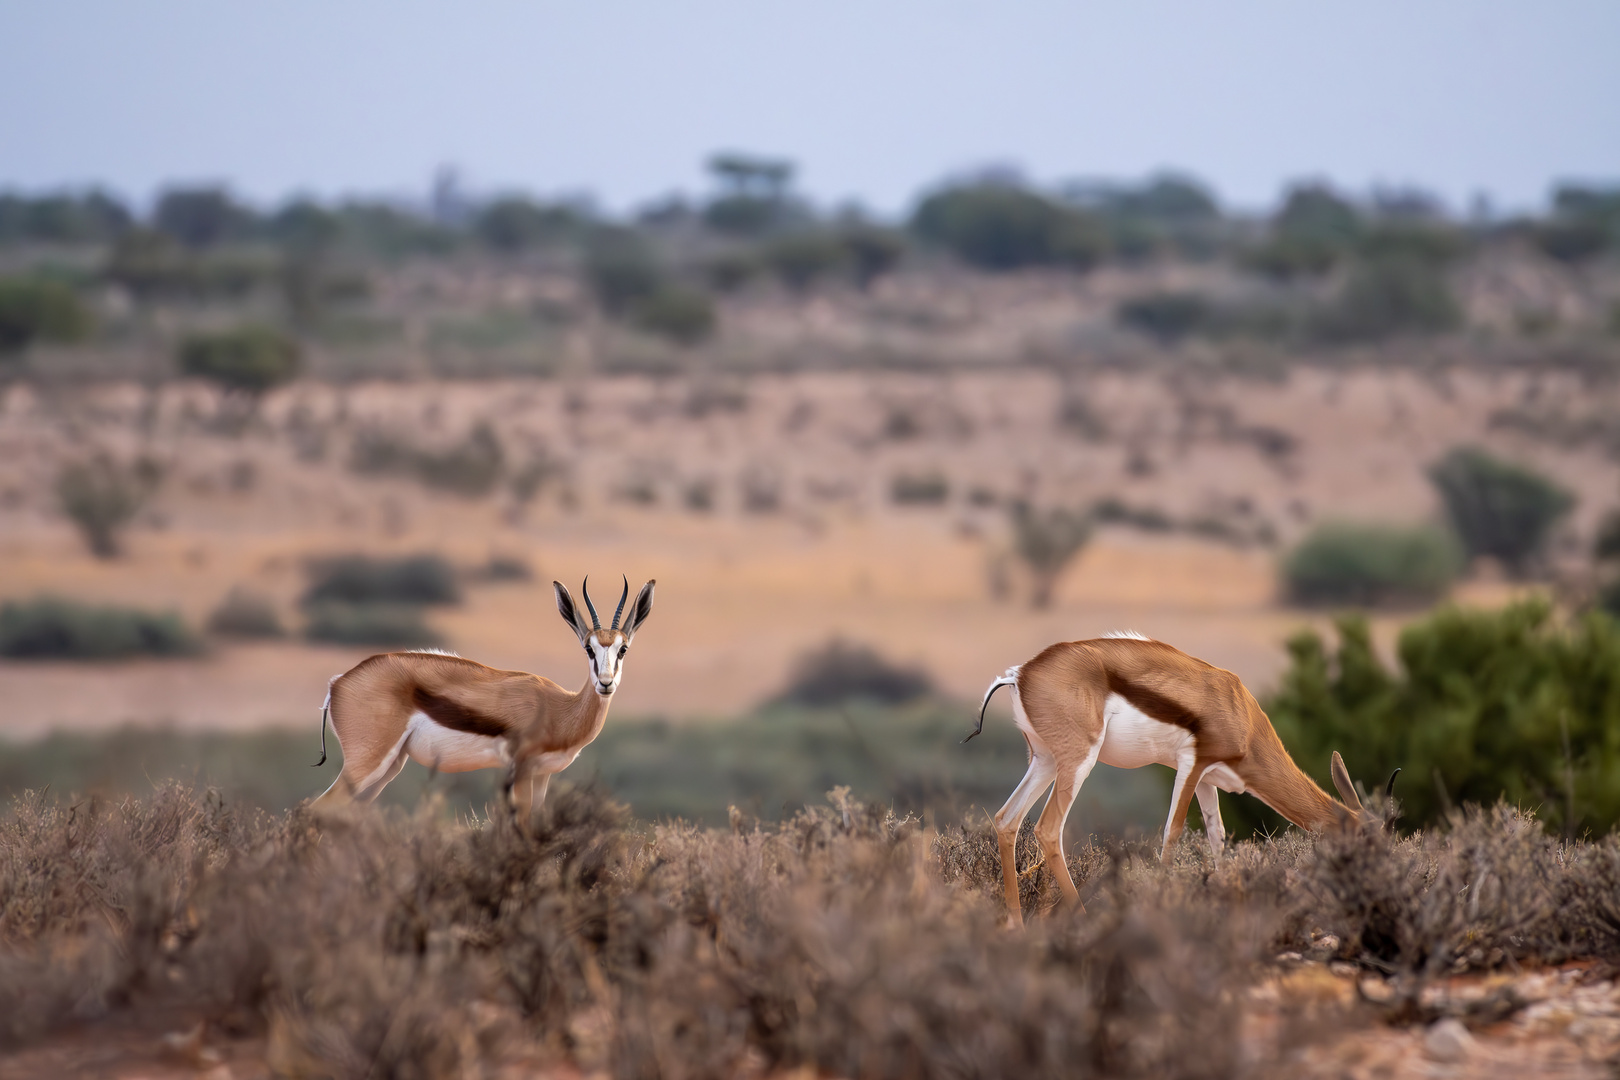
846	939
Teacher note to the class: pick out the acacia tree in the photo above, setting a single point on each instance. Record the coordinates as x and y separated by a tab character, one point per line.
1047	540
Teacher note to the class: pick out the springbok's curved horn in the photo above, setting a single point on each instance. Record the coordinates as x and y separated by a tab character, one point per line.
596	623
622	598
1389	789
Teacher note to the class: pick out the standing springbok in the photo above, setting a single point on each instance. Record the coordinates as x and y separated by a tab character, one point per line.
456	715
1129	701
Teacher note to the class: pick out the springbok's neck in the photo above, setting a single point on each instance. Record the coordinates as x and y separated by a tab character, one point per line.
590	707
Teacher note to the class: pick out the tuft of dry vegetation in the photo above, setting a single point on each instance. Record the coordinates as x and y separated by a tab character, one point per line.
846	939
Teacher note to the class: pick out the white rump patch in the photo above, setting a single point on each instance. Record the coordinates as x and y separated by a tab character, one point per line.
1129	634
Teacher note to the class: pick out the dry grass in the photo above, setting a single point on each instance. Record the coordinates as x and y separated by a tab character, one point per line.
845	939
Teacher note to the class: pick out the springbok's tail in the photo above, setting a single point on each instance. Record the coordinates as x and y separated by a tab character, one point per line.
326	708
1008	679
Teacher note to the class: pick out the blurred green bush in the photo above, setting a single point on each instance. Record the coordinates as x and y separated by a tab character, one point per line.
1498	508
1370	564
1002	227
38	309
371	579
843	671
52	628
1167	316
1485	705
245	614
390	626
248	359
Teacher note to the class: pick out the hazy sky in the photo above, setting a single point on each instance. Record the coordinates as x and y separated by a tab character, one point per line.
875	99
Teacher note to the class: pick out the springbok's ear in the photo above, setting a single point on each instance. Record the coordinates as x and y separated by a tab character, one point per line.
565	608
1341	780
639	610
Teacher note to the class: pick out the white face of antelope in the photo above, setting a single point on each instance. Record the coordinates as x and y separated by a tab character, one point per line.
606	650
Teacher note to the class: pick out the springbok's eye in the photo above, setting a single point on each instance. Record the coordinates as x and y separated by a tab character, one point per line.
623	649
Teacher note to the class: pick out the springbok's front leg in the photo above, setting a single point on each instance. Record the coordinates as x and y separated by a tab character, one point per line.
525	789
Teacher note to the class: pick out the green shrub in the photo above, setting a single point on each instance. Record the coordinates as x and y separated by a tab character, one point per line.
62	218
35	309
919	489
1388	295
397	626
682	315
1498	508
472	467
1168	316
621	270
1486	706
1314	230
731	270
841	671
515	223
1047	540
871	252
101	497
51	628
202	217
249	359
800	259
367	579
245	614
1363	564
999	227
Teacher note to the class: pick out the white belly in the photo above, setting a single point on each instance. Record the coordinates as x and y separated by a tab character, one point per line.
1131	739
448	750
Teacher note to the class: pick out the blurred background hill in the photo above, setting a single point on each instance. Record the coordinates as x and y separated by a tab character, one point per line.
875	449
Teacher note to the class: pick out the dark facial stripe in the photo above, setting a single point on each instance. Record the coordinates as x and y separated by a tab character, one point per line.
1154	704
452	714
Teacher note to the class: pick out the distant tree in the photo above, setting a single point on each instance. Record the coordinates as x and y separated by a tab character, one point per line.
249	359
515	223
101	497
62	218
1001	227
676	312
1047	541
37	309
202	216
304	226
1585	222
1498	508
748	174
799	259
1314	230
753	194
872	252
621	269
1167	316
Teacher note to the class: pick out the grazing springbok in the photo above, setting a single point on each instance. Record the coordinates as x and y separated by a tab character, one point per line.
456	715
1128	701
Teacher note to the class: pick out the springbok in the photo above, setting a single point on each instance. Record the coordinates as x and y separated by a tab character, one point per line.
1128	701
456	715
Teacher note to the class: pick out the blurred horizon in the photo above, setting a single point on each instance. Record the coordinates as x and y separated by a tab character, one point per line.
1483	106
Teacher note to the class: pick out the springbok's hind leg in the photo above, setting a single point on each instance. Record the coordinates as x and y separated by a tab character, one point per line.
1010	817
1209	804
1180	802
1049	830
